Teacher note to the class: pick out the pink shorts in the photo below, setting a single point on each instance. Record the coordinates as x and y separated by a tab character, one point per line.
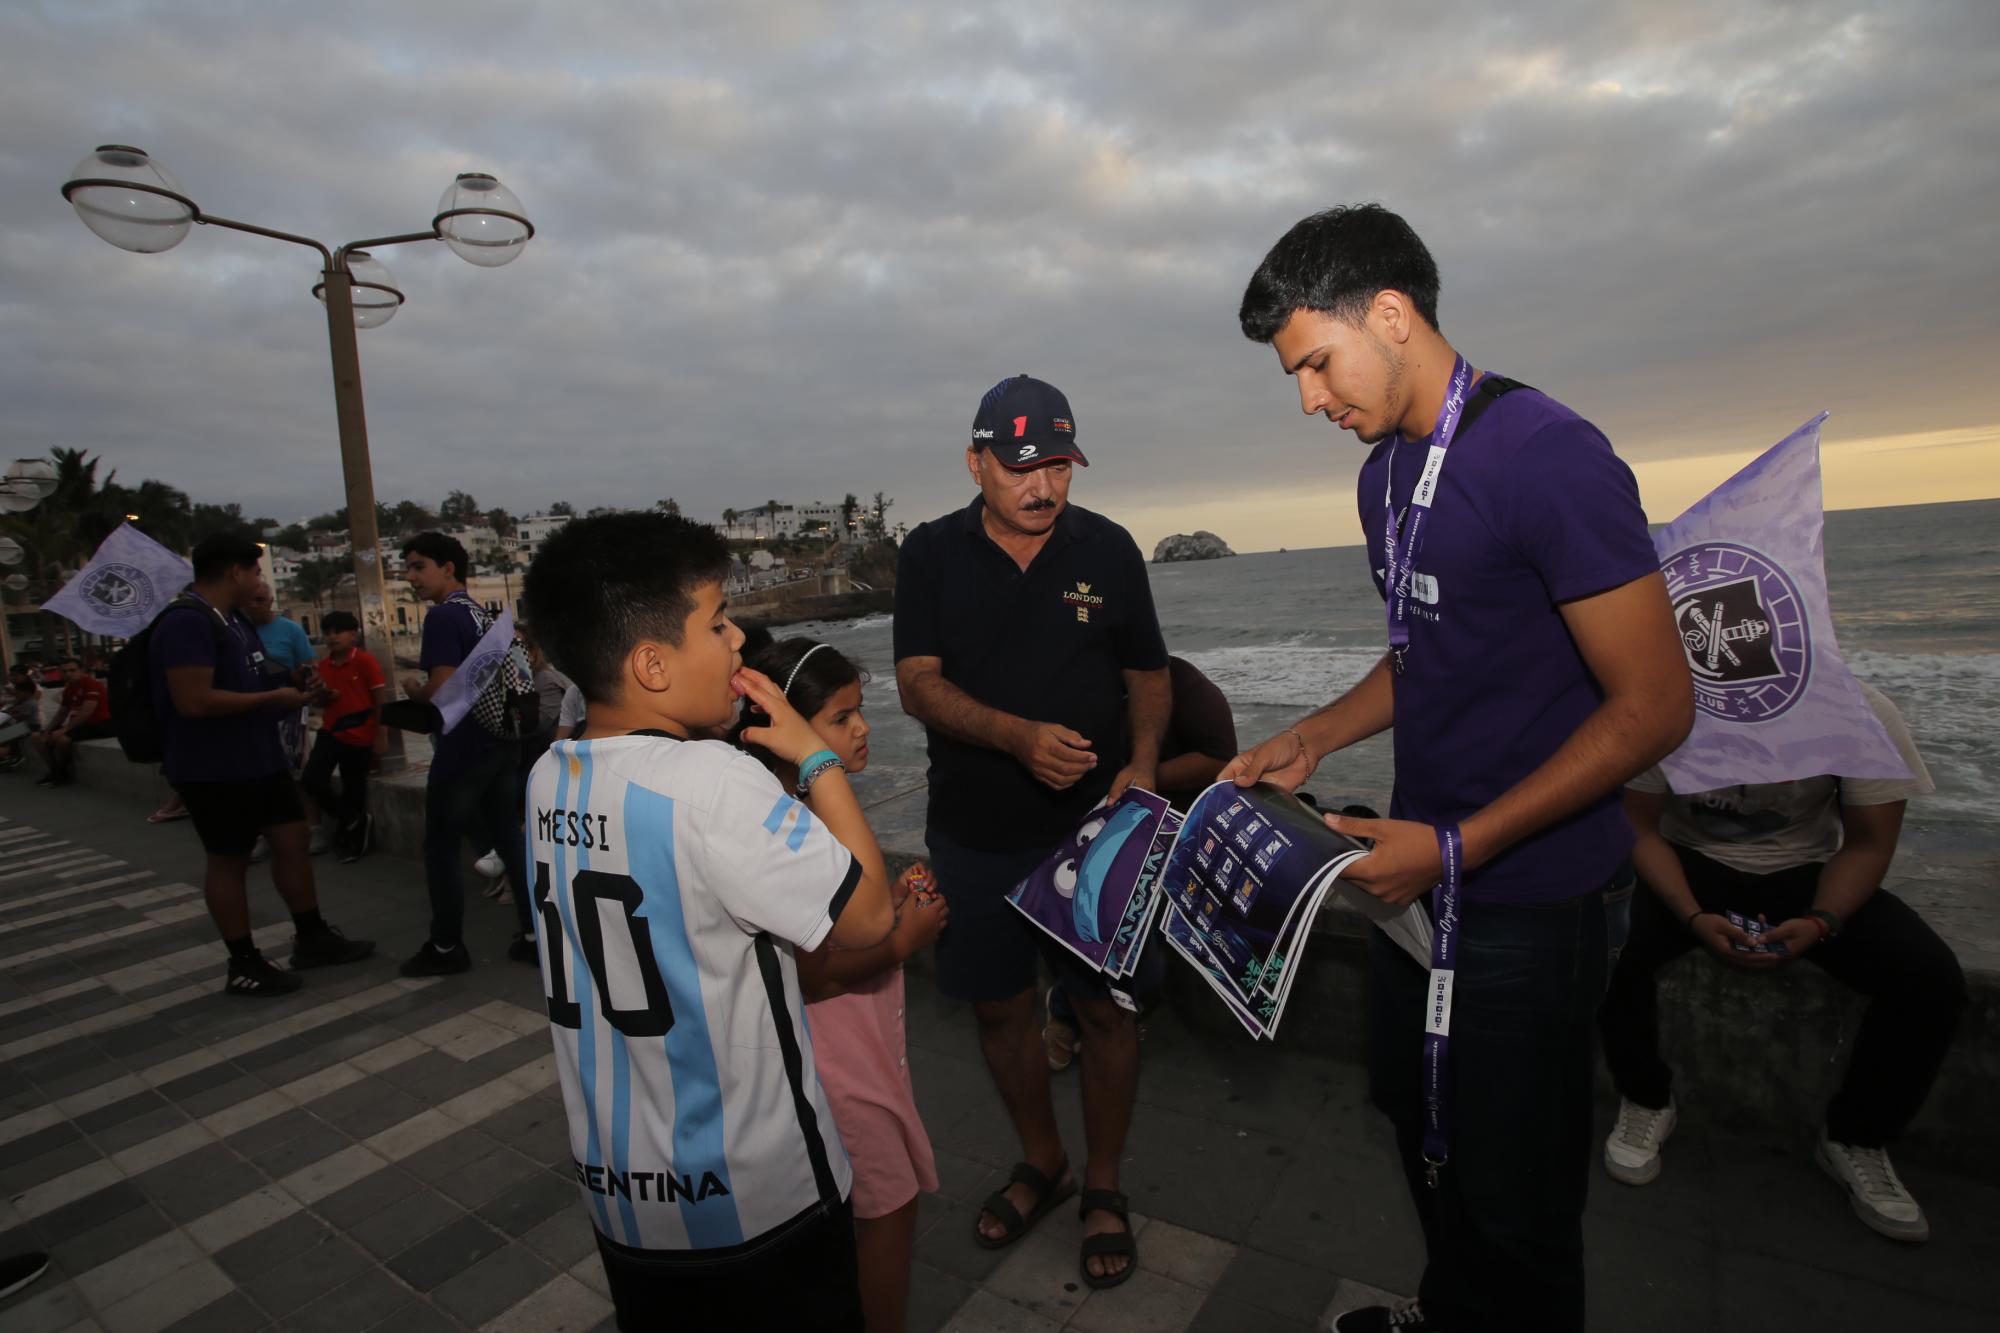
859	1050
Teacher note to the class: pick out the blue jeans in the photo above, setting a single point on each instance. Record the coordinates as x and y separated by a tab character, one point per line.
1503	1229
479	801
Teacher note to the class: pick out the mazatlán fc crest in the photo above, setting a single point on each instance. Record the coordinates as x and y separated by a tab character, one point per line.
118	590
1744	629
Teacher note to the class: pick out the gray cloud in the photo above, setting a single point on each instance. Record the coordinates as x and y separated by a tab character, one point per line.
784	247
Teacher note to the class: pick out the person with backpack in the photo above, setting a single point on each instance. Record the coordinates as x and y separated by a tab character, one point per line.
474	771
214	720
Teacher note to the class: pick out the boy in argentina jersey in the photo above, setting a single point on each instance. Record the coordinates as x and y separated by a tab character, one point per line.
673	878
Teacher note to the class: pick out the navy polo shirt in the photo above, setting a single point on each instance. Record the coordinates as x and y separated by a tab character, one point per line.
1048	643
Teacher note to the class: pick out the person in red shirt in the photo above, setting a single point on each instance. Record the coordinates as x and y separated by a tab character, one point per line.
351	694
85	715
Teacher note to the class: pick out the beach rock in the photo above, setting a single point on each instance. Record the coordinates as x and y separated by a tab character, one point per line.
1200	545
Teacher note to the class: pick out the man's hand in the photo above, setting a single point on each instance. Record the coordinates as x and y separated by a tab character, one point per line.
1056	756
414	685
1720	936
1282	761
1796	934
1402	867
287	697
1133	775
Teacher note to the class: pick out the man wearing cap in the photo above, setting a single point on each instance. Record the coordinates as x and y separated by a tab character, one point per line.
1027	645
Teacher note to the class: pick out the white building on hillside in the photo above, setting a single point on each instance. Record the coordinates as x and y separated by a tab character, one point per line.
530	531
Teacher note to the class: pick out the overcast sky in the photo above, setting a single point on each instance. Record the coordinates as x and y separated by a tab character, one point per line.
784	248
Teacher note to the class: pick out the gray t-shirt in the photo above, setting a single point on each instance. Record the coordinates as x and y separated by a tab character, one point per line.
1767	827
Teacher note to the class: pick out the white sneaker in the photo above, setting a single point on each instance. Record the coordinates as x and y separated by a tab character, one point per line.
322	839
260	850
490	865
1632	1148
1874	1189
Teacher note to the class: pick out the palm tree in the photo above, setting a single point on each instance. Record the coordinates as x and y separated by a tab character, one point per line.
729	518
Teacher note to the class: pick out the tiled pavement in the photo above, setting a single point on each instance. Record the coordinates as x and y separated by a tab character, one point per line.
380	1153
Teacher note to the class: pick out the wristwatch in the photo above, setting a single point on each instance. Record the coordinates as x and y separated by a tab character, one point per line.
1832	922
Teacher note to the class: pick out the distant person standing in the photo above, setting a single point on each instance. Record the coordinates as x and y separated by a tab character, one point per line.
1027	644
85	715
353	689
220	723
472	789
1533	668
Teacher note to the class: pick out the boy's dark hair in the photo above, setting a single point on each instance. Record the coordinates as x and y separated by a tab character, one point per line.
440	549
814	679
334	622
1333	263
600	585
216	555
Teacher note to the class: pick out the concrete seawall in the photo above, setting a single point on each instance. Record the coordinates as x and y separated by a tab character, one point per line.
1752	1052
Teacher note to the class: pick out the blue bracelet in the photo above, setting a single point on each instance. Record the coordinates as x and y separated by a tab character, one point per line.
814	760
812	774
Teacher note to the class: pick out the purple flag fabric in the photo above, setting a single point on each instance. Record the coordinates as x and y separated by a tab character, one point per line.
1746	575
128	581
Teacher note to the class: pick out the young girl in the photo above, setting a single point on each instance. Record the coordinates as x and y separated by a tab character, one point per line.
855	1008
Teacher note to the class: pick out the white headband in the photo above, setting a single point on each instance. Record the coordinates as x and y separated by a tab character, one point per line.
787	691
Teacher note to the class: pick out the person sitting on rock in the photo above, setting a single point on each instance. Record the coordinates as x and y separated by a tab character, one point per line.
1803	863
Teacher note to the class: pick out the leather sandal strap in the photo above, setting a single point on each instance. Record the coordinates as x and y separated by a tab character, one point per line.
1024	1173
1004	1212
1106	1201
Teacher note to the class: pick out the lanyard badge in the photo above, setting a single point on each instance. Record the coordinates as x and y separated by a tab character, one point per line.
1400	550
1437	1003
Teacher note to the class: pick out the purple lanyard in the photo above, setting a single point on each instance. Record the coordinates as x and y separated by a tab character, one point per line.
1400	563
1437	1004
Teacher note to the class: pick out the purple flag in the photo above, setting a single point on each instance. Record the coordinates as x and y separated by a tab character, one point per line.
129	580
1747	578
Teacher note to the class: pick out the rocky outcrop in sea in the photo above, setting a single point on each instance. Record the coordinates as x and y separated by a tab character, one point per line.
1199	545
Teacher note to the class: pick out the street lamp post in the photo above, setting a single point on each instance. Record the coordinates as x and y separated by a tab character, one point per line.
129	199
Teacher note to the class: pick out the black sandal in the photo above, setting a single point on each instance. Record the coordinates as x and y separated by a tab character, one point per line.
1107	1244
1047	1196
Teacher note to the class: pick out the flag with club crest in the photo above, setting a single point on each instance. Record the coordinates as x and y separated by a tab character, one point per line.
127	582
1746	575
462	688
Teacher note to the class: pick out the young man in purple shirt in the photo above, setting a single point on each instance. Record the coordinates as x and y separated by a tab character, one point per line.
1533	669
220	716
474	786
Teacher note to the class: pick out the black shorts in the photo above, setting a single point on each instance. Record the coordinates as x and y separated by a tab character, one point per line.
228	816
989	951
799	1277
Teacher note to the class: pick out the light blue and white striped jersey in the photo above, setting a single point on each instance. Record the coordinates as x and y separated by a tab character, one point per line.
672	881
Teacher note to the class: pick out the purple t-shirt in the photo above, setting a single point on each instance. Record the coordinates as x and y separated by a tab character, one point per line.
450	635
213	749
1533	509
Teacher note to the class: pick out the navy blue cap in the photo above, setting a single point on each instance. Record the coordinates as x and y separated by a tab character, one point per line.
1027	424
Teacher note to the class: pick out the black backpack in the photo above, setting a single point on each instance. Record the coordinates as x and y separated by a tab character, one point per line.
141	732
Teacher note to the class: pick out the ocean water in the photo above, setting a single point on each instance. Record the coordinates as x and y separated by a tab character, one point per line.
1916	601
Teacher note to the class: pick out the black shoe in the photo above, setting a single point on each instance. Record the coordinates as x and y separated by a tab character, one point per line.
12	762
18	1270
47	780
254	977
328	947
430	961
354	838
1408	1317
522	950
